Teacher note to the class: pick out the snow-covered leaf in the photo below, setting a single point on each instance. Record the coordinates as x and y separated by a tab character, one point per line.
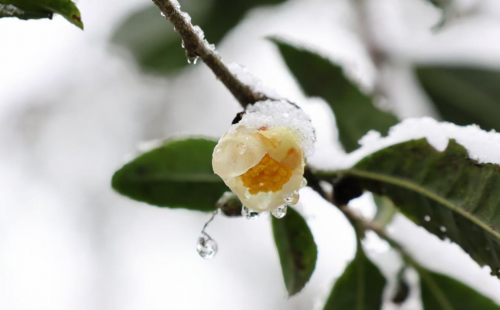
36	9
360	287
354	110
448	193
155	45
463	95
177	175
440	292
297	250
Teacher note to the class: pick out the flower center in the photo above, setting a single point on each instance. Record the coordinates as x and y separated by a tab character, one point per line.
268	175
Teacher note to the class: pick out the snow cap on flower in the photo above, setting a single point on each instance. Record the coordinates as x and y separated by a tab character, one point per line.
262	157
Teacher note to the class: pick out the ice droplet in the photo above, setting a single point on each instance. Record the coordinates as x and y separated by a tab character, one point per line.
427	218
182	44
242	148
162	14
280	212
292	198
249	214
206	247
303	183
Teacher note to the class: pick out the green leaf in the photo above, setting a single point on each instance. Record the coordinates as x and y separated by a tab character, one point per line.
296	248
353	109
440	292
463	95
385	210
155	45
359	288
448	193
36	9
177	175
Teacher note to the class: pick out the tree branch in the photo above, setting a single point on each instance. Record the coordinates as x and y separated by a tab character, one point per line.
196	46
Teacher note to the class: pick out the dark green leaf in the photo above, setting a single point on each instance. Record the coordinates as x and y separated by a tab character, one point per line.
36	9
296	249
353	109
448	193
155	45
464	95
440	292
360	287
177	175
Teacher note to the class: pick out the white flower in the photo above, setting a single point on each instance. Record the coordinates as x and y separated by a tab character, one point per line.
261	158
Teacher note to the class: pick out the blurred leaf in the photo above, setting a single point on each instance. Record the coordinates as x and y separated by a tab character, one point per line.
36	9
155	45
177	175
447	193
464	95
385	210
296	248
360	287
440	292
354	110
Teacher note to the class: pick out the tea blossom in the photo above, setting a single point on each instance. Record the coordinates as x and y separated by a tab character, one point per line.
262	157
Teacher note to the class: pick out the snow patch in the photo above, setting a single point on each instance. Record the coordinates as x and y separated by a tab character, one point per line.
280	113
481	145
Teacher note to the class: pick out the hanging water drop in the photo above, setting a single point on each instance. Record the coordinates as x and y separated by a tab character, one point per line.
427	218
249	214
292	198
442	229
182	44
162	14
242	148
206	246
280	212
303	183
192	60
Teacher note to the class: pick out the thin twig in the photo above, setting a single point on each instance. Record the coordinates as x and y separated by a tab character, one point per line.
197	47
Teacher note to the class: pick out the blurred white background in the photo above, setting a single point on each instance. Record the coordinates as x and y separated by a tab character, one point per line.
73	109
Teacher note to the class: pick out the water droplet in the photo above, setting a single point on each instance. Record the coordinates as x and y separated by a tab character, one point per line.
206	247
303	183
242	148
161	13
249	214
427	218
442	229
192	60
280	212
292	198
182	44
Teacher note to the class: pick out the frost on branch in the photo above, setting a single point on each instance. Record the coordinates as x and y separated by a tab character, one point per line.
262	157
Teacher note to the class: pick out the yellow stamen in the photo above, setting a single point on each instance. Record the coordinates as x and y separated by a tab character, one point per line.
267	176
